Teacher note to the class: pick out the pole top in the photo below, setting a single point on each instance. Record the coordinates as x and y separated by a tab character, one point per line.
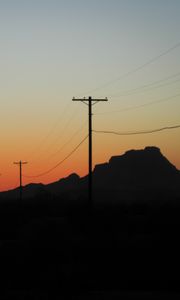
20	162
89	99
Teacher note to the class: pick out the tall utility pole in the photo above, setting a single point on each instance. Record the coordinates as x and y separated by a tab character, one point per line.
20	163
90	102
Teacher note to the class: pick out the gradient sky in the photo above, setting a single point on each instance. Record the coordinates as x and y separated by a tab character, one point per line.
53	50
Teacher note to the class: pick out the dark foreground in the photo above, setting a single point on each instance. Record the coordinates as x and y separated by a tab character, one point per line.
52	251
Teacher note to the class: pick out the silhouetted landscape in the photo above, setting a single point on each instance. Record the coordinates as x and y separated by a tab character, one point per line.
53	246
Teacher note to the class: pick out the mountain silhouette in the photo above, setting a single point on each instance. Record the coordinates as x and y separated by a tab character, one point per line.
134	170
137	168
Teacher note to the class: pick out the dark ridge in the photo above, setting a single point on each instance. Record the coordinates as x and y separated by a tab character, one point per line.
136	169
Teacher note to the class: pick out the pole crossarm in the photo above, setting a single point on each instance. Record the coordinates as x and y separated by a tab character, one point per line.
89	99
20	162
90	102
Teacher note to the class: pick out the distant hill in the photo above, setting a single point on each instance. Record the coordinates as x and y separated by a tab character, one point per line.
135	170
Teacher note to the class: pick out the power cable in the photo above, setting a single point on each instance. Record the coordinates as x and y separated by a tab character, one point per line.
66	143
59	163
137	132
49	133
139	106
152	60
146	87
63	130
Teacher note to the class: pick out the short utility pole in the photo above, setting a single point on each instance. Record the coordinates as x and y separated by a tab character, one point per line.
90	101
20	163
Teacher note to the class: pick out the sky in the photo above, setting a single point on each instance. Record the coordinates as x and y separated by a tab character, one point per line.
52	51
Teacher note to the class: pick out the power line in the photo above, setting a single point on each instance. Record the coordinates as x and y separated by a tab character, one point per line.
59	163
146	87
139	106
49	133
69	140
152	60
63	130
137	132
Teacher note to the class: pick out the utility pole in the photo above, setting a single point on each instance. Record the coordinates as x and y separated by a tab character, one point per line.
20	163
90	101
